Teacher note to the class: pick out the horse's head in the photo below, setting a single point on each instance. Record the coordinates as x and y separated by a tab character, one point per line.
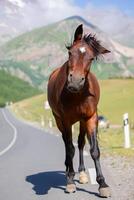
81	54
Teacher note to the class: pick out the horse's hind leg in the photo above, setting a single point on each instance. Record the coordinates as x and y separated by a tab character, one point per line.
69	151
81	143
92	126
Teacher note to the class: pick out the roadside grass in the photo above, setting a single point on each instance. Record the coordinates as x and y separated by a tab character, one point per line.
111	142
32	110
117	98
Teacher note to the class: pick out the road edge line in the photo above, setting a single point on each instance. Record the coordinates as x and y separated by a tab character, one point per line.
14	136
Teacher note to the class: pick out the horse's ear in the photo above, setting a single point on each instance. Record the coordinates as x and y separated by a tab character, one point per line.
78	33
103	50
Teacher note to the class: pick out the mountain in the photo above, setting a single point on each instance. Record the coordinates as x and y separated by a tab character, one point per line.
13	89
33	55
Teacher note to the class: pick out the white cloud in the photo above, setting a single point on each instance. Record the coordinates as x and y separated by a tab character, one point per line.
46	12
19	3
3	25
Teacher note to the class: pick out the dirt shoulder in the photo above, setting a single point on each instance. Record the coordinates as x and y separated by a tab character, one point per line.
121	171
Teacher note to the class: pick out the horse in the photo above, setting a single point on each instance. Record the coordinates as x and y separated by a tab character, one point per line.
73	95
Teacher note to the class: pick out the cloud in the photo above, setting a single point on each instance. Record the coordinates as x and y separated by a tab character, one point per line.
44	12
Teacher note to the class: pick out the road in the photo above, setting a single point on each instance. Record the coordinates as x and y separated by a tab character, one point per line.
32	164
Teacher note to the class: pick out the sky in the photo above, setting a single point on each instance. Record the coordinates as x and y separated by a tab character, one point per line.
127	6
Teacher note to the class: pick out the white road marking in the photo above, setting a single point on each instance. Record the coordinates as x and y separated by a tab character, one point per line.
14	136
92	174
85	153
75	144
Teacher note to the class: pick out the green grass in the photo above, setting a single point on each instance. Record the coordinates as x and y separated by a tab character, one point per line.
32	109
14	89
111	141
117	97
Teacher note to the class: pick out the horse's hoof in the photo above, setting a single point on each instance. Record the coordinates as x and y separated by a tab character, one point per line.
105	192
83	178
70	188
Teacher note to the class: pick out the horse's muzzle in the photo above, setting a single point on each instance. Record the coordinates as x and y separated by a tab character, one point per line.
74	85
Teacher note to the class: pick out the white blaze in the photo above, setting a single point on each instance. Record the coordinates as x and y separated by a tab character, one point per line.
82	49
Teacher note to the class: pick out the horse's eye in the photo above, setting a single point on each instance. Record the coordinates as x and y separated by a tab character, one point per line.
92	59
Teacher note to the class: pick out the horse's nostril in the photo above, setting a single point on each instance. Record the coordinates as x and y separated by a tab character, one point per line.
71	75
83	79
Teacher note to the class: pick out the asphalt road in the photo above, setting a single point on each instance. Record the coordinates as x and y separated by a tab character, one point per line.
32	164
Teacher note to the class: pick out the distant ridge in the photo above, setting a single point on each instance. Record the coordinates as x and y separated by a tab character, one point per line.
82	20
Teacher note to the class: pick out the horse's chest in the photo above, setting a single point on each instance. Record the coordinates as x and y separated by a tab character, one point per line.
80	109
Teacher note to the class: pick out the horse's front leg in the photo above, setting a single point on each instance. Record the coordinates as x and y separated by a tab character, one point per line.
83	178
70	151
92	128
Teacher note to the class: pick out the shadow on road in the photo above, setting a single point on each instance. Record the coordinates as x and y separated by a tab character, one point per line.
44	181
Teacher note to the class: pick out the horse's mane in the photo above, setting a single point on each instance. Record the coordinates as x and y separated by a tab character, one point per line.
93	43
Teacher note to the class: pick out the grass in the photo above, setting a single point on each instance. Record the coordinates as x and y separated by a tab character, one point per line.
32	109
112	142
117	97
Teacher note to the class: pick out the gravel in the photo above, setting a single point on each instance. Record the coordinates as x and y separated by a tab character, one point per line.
121	172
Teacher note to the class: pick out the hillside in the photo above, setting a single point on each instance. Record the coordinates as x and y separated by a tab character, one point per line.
33	55
12	89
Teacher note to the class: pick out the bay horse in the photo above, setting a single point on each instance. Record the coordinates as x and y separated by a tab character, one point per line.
73	95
